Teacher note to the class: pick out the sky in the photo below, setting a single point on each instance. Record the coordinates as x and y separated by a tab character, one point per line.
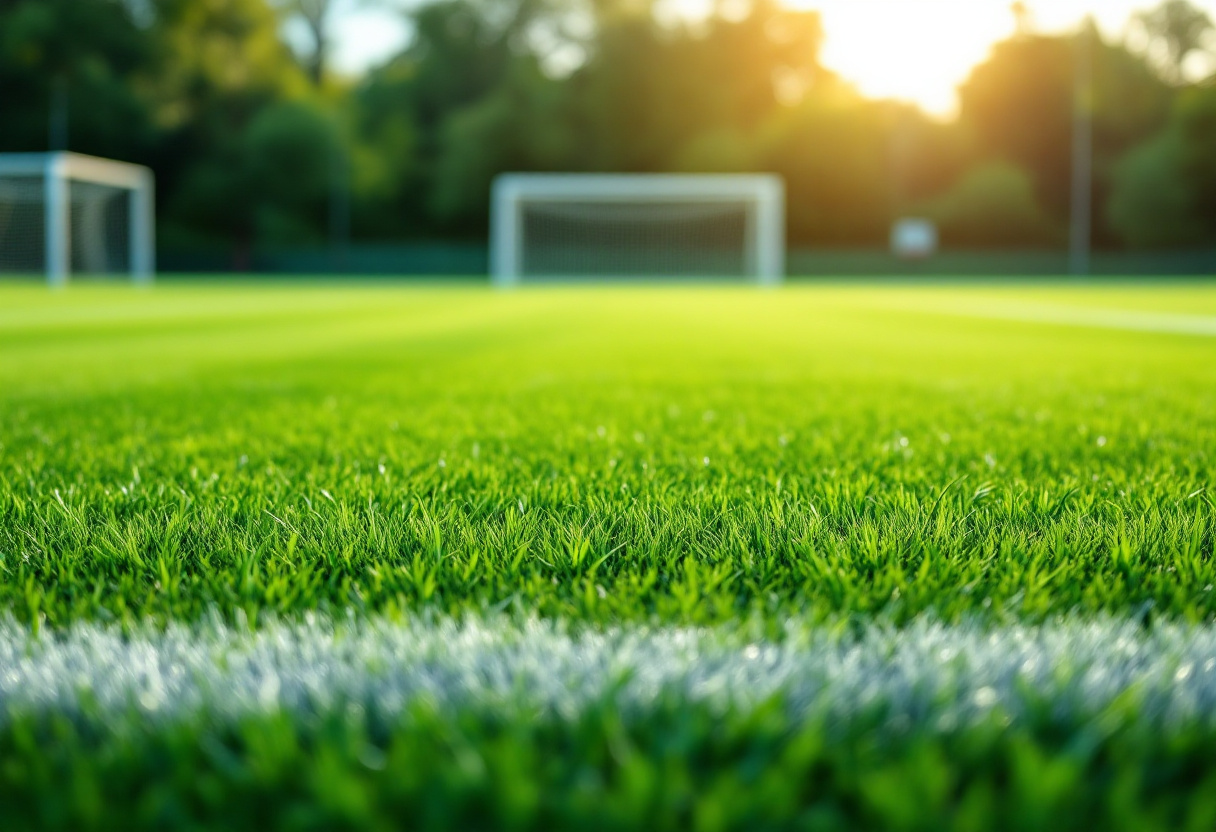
921	51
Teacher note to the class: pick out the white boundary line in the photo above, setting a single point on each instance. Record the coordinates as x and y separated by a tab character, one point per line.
1168	323
928	675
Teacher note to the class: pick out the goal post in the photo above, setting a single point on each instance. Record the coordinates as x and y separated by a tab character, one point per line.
555	226
64	214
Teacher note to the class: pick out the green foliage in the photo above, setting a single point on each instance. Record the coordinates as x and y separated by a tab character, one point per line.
1153	203
520	126
993	205
271	181
928	156
1196	119
833	151
223	59
646	98
1024	75
1175	29
600	455
90	55
1163	189
1021	102
178	84
201	89
441	118
648	92
226	104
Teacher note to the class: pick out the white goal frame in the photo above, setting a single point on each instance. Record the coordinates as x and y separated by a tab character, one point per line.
58	170
762	194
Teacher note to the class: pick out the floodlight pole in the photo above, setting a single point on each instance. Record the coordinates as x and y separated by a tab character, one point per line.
1081	226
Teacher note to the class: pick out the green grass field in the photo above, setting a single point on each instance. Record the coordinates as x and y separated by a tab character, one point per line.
569	478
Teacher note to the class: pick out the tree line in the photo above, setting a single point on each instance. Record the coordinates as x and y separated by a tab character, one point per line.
256	145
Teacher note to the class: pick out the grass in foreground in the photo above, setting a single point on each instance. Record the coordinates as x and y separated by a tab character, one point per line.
779	466
438	724
600	454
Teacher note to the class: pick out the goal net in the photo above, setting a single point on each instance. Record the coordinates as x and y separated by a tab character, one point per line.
569	226
64	215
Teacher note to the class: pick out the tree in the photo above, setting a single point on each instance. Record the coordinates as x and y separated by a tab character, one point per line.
224	70
268	183
91	58
221	52
1175	29
1165	190
1152	204
1020	104
462	54
927	156
460	51
1195	117
315	14
649	95
992	206
523	125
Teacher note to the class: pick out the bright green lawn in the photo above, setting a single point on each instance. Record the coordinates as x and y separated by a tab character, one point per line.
608	456
605	454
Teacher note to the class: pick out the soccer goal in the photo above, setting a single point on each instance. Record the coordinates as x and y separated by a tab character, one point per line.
570	226
64	214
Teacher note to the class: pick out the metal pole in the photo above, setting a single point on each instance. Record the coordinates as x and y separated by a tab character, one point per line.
1081	227
143	230
770	233
505	227
57	230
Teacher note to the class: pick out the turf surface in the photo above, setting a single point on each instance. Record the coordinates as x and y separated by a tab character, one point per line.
822	460
605	455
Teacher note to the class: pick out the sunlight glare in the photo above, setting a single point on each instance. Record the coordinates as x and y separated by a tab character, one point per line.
912	51
921	50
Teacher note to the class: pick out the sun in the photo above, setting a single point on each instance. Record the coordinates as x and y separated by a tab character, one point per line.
921	50
912	50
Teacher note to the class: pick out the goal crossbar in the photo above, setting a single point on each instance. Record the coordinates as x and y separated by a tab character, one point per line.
58	171
761	199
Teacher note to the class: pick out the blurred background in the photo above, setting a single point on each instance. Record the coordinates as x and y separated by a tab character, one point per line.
361	136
